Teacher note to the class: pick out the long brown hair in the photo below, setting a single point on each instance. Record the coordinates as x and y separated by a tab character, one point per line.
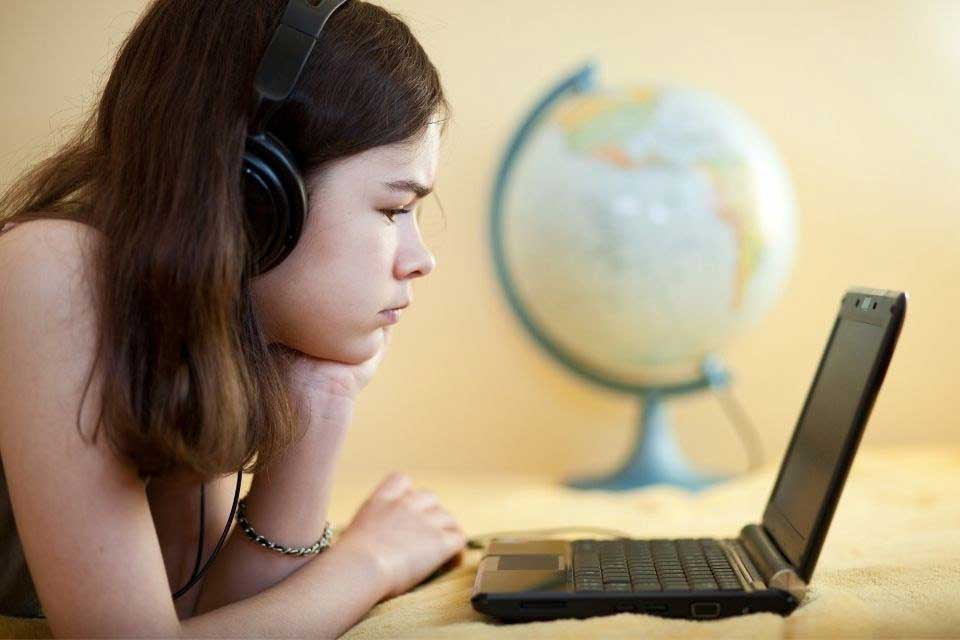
156	169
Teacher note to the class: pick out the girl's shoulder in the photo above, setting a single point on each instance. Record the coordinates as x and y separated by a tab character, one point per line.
61	231
46	288
44	249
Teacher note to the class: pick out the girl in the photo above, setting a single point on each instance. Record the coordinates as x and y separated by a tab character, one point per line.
146	357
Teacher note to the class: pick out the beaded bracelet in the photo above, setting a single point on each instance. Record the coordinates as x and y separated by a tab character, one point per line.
313	549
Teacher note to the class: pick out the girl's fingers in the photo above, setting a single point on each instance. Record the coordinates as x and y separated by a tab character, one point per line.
441	518
454	540
393	486
423	499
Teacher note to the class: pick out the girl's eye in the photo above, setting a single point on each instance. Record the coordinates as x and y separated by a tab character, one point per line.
390	213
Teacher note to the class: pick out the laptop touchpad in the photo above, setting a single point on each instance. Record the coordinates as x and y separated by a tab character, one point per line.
530	562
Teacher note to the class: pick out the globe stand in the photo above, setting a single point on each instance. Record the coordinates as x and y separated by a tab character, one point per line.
655	457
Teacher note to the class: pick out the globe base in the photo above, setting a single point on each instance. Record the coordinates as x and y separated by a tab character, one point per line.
627	479
655	459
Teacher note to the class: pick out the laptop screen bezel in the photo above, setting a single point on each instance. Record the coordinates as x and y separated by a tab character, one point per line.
803	553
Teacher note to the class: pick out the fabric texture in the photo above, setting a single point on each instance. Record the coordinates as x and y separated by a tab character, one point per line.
890	566
17	594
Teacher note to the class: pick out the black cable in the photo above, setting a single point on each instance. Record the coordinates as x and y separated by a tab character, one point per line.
233	510
203	519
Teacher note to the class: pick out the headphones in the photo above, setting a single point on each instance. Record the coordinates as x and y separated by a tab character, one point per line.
275	196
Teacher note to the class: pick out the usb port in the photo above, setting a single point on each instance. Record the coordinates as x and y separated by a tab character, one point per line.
656	608
705	609
542	604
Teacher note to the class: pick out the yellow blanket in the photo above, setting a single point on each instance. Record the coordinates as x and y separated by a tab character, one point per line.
890	566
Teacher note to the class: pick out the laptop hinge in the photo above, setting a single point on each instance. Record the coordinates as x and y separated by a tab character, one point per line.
776	571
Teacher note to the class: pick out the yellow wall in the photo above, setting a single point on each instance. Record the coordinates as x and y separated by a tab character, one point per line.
860	98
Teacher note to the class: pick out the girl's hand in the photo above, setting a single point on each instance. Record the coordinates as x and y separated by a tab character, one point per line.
406	531
307	376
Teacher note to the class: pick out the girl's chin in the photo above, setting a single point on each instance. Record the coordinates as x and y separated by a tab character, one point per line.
364	348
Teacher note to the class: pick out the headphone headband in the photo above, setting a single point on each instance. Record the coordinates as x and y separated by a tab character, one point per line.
287	55
274	192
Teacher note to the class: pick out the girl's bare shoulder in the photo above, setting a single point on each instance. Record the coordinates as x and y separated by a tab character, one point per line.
44	264
48	314
46	241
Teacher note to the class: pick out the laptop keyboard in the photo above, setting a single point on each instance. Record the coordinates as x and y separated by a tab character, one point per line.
652	565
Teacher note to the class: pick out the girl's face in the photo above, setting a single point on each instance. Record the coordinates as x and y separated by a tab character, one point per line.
327	298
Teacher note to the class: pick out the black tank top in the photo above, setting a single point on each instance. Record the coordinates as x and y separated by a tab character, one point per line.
18	597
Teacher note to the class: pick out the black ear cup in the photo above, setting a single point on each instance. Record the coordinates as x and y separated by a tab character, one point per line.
275	201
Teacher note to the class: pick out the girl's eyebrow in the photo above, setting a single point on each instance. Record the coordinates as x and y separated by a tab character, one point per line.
409	186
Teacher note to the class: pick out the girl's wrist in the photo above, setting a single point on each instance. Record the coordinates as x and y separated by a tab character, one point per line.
370	562
291	492
322	409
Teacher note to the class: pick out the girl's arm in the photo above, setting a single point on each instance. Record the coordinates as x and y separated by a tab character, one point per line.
395	540
287	503
324	600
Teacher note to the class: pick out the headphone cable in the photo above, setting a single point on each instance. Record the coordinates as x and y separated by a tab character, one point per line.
196	575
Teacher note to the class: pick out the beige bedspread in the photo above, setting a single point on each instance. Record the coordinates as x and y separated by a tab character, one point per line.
890	566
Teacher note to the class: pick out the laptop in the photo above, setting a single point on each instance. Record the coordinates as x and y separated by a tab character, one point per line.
768	566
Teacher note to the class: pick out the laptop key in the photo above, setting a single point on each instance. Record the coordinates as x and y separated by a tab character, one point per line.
644	576
675	586
700	577
704	585
616	579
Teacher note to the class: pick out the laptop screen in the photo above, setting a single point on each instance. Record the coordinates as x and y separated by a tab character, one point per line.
807	475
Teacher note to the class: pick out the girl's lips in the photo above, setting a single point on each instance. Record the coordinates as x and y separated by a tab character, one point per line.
392	315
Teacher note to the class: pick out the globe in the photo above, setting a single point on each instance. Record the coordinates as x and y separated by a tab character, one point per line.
636	230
